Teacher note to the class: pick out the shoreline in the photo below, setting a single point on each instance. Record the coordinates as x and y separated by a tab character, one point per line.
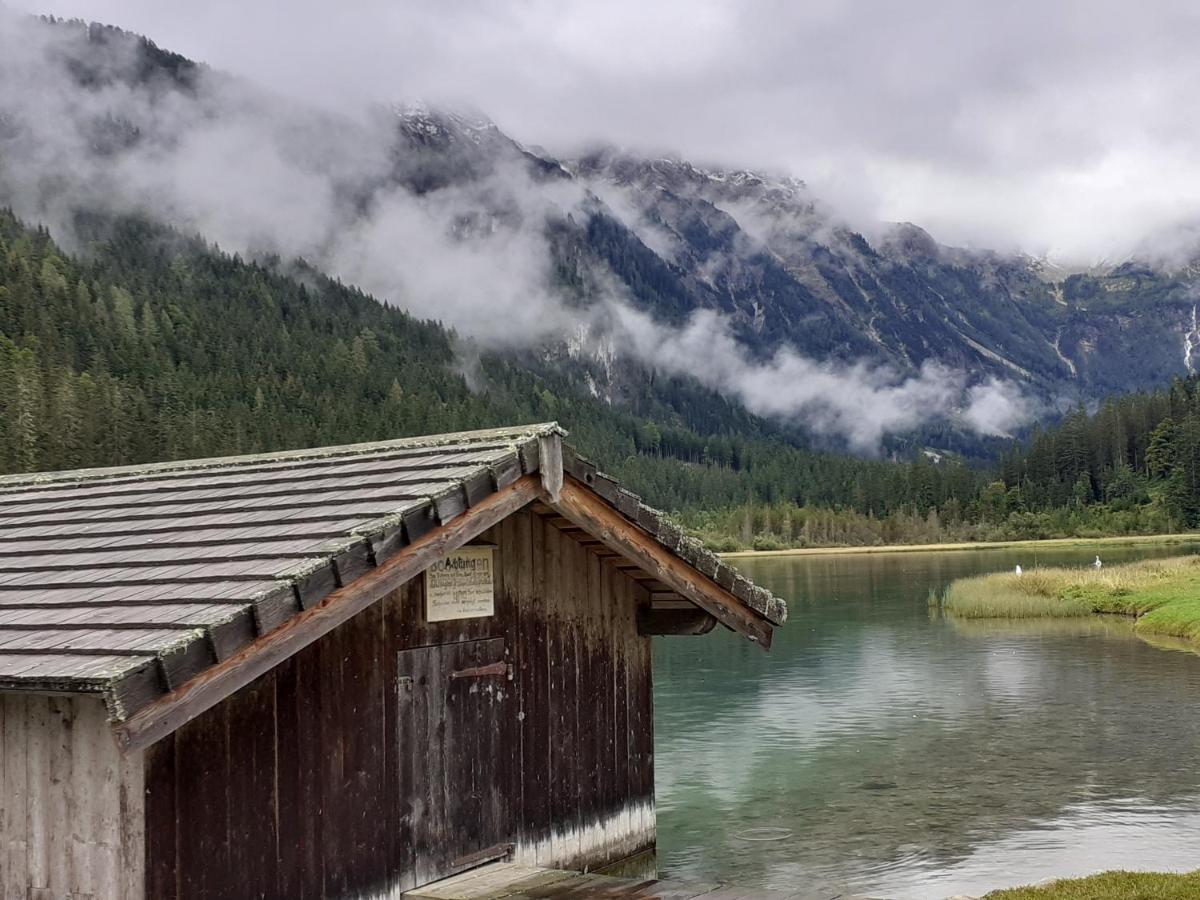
1177	538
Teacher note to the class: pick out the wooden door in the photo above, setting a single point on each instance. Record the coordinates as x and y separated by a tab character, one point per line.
455	754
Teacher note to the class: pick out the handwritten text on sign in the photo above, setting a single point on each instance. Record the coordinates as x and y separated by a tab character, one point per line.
461	586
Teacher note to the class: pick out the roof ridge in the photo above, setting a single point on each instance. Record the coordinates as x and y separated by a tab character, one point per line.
511	434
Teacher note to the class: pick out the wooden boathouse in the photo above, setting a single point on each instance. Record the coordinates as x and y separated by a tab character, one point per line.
344	672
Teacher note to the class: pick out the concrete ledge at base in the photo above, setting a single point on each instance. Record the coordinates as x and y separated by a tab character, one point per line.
509	881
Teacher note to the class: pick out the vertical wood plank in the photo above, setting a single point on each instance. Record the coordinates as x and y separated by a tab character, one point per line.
84	806
641	731
520	577
340	671
523	523
335	841
162	861
506	799
14	815
434	791
536	701
391	751
253	840
632	712
578	713
6	802
467	762
635	717
95	807
202	809
61	809
38	781
366	727
599	688
310	759
292	786
404	739
131	860
562	697
614	761
375	753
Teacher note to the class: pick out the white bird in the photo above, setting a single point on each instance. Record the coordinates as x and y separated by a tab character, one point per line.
1097	564
1018	570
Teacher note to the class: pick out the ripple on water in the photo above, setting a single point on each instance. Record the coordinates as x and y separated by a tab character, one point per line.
1126	833
910	757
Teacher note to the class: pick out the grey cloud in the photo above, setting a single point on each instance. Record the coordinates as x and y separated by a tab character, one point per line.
1054	127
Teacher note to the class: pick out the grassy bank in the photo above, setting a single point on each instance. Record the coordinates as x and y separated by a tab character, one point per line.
1163	595
1111	886
1047	544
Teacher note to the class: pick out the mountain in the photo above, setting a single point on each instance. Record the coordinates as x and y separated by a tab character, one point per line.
157	346
767	254
609	271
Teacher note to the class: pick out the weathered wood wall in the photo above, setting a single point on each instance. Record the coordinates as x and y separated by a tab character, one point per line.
70	804
289	788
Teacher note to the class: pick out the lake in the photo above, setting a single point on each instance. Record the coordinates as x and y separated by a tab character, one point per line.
886	751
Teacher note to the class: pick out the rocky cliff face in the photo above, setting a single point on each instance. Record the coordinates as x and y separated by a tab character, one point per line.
764	252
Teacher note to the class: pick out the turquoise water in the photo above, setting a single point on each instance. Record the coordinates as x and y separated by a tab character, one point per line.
881	750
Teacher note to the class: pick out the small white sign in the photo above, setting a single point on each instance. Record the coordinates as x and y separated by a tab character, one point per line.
461	586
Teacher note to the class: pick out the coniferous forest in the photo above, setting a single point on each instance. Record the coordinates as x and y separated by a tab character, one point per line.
145	344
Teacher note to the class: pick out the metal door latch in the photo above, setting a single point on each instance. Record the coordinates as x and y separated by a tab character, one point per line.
492	669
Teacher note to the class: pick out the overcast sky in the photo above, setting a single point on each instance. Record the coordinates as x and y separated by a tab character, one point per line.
1061	127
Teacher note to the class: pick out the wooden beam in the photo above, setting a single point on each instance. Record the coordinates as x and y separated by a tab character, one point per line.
201	693
692	620
590	512
664	598
550	456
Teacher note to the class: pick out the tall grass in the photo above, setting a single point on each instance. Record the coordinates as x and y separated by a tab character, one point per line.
1163	593
1004	597
1111	886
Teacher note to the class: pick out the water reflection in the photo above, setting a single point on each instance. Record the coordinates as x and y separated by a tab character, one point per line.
906	755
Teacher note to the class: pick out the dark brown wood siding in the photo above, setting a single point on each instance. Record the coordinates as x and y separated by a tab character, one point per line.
292	786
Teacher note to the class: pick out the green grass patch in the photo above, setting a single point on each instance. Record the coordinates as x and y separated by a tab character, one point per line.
1162	594
1110	886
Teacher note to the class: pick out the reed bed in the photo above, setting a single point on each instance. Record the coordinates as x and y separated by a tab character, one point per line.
1162	594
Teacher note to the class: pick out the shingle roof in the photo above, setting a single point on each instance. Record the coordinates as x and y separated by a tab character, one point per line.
130	581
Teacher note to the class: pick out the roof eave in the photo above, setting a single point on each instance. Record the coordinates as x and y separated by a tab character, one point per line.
586	509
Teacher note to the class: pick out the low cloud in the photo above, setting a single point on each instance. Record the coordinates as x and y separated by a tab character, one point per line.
858	402
997	407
